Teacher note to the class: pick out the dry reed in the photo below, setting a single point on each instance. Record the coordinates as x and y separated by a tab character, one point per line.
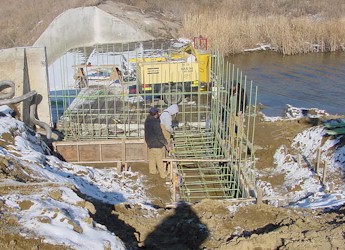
232	26
233	34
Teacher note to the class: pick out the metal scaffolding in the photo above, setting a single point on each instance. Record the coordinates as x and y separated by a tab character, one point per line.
213	153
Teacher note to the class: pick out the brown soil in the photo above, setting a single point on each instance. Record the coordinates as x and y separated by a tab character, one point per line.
209	224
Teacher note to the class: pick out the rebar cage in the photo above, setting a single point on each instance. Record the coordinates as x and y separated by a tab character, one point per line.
96	93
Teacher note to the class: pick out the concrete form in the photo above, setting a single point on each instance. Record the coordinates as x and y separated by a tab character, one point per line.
213	154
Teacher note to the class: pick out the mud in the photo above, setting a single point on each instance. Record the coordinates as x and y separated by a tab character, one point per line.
209	224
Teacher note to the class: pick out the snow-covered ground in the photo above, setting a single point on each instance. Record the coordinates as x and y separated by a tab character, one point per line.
58	213
60	216
303	182
302	185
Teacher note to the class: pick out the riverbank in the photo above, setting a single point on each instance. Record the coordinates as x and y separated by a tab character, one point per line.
314	80
51	204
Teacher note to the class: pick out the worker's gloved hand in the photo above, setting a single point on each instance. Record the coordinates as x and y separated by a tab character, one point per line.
174	123
172	152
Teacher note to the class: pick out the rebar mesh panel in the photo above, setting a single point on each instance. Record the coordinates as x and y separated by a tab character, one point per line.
216	120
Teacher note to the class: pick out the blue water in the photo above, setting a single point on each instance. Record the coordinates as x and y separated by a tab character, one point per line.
60	100
306	81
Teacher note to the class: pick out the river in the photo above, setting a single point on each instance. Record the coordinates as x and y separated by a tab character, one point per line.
315	80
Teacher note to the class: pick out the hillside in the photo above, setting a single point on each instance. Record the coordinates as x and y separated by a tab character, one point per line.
288	27
49	204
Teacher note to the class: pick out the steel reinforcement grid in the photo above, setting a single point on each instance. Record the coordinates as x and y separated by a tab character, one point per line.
213	131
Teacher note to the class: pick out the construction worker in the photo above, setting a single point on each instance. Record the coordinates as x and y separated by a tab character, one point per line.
166	122
115	76
238	104
156	143
80	79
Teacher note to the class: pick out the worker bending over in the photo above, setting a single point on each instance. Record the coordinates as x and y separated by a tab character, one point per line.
166	122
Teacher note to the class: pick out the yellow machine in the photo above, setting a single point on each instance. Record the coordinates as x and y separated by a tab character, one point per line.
185	70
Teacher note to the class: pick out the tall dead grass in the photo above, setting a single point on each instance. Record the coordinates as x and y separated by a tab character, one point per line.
286	35
300	30
232	26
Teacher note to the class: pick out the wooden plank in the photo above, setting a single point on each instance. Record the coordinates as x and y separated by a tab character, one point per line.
89	153
68	152
123	150
111	152
134	140
135	151
120	150
198	160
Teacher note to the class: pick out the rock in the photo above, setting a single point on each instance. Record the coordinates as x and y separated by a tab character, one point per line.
208	215
87	205
55	194
25	205
44	219
106	245
13	243
88	220
3	162
12	220
82	173
90	207
75	226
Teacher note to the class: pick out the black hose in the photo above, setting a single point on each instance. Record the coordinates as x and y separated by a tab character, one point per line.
33	119
7	84
6	99
18	98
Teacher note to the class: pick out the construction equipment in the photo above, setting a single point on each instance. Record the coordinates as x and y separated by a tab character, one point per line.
177	72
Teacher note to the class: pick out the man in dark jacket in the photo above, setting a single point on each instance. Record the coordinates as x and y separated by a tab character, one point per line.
155	142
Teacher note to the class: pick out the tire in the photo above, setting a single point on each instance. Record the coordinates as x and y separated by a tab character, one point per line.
172	94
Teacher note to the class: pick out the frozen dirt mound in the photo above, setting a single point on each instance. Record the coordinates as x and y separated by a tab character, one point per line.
214	224
46	203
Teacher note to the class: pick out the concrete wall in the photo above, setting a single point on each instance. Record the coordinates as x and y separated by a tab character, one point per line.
38	80
86	26
26	67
